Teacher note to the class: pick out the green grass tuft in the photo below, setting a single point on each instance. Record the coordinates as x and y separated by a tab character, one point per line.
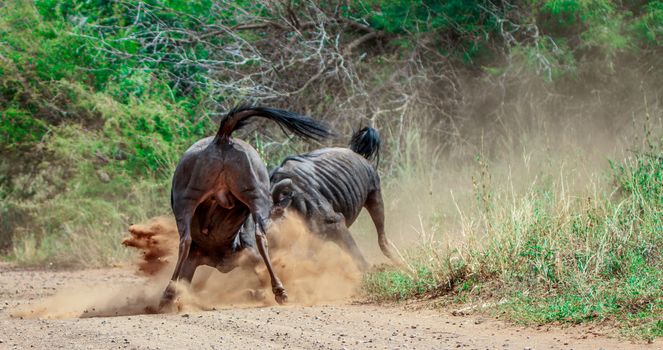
554	256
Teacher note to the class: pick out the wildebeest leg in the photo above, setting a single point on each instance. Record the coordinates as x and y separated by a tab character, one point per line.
260	206
184	228
348	243
183	215
261	240
187	269
195	259
342	236
375	208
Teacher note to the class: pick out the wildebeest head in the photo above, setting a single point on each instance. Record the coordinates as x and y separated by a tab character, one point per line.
282	194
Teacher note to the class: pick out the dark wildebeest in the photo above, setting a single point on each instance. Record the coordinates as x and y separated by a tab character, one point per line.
220	181
329	187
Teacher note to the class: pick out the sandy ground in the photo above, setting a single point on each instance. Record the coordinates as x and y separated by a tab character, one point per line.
342	325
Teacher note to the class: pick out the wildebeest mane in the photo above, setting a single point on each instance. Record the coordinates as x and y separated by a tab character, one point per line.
366	142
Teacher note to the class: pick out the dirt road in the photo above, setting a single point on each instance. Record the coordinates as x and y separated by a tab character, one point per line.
339	326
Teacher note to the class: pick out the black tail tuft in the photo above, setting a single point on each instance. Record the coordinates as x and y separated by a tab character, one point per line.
366	142
298	124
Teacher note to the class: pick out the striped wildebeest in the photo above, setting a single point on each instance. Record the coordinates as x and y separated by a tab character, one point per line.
218	182
328	188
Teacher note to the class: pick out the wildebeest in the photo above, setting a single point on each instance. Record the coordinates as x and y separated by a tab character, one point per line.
220	181
328	188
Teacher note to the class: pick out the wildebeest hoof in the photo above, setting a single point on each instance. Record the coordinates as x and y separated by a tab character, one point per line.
166	298
164	305
280	295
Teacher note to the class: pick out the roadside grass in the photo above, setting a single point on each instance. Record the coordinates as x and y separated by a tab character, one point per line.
88	228
558	251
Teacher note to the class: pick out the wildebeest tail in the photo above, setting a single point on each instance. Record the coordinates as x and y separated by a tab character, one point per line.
298	124
366	142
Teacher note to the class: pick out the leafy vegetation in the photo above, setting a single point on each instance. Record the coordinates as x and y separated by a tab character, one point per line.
100	98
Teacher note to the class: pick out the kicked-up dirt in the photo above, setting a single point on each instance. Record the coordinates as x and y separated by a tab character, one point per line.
114	308
77	310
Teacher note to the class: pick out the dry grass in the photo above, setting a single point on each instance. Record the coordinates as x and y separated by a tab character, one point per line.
551	227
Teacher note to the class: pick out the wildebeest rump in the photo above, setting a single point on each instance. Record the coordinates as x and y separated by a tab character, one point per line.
220	181
329	187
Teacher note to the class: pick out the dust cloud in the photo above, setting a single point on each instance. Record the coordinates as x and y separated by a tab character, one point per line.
157	242
88	300
312	271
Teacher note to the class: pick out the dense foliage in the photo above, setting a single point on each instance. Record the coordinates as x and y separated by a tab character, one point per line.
99	99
